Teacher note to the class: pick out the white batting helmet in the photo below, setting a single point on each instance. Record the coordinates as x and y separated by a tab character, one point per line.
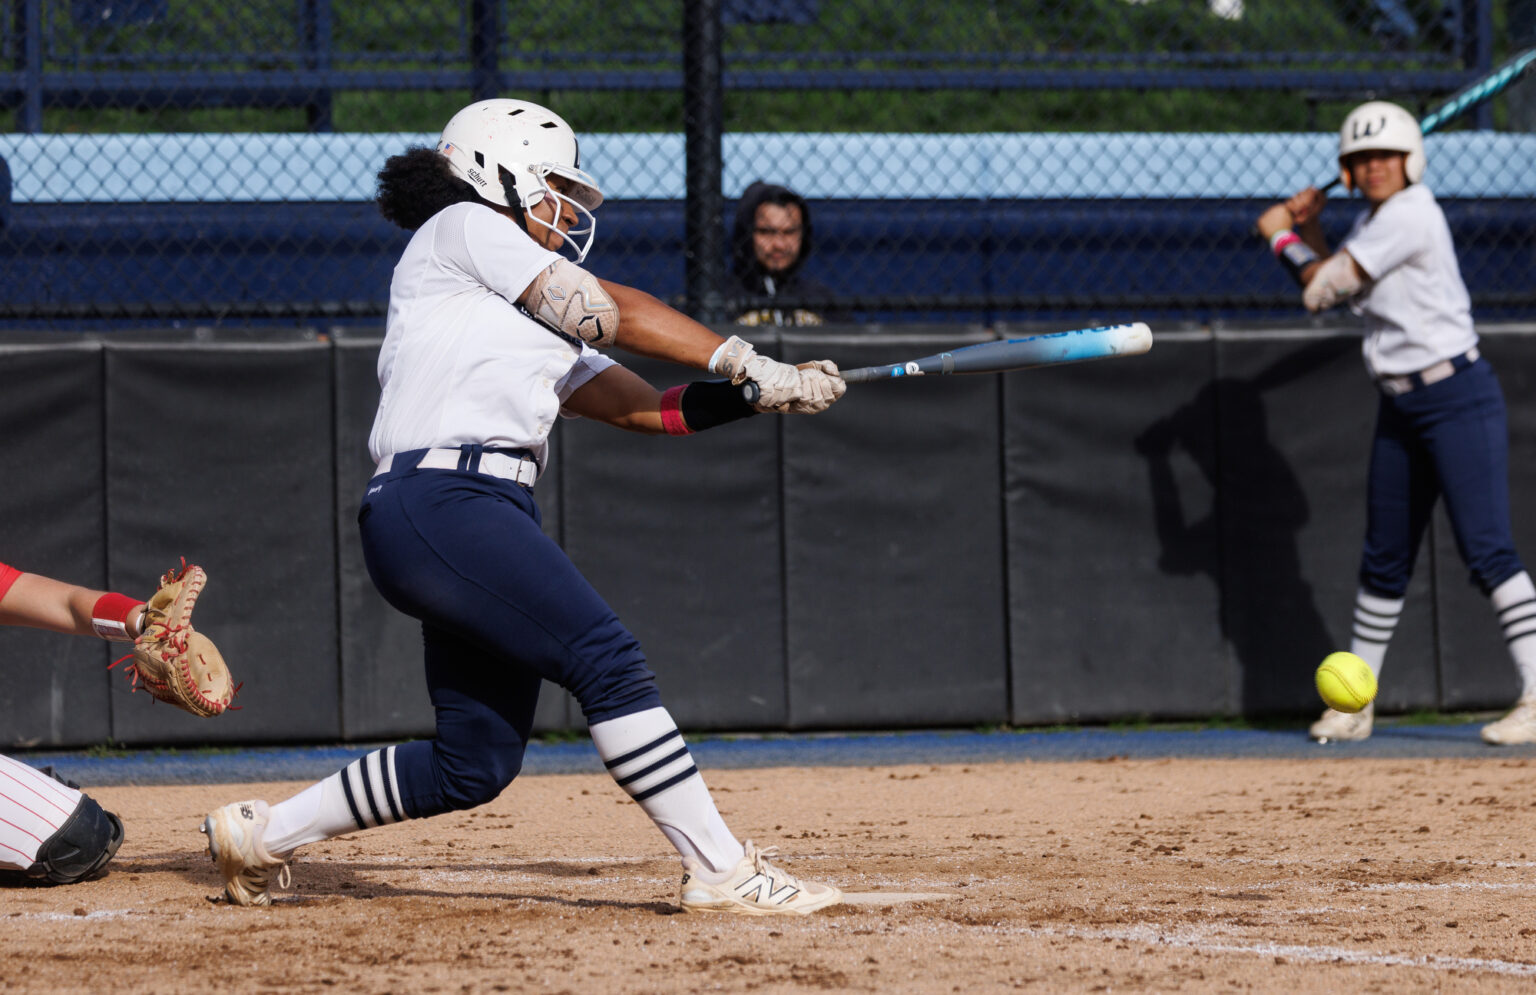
1380	125
530	143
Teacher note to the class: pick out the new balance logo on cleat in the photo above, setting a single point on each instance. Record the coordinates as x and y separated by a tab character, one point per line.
754	887
234	842
752	890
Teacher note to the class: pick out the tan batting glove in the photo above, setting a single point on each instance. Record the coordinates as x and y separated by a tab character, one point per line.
778	384
820	386
730	359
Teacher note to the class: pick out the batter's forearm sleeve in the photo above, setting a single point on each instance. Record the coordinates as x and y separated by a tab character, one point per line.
702	404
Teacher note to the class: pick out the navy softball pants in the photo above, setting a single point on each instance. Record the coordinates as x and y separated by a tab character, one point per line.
1448	438
501	607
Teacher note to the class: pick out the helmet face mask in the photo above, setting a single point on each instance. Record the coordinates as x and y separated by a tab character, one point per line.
580	192
507	150
1384	127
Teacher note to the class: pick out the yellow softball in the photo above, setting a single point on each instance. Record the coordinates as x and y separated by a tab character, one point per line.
1345	682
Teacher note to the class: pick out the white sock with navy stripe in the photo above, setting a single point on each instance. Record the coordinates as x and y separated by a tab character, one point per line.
361	795
1515	602
647	757
1375	619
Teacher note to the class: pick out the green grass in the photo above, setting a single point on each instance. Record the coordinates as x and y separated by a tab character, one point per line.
577	36
555	737
111	750
108	750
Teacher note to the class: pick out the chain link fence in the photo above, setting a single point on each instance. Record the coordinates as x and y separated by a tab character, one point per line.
972	160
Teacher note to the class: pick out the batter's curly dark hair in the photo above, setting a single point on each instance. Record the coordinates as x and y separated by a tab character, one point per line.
418	183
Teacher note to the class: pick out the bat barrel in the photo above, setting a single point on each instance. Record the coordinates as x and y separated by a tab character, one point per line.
1008	354
1046	350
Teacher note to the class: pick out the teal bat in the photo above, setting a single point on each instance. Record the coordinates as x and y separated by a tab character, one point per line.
1463	100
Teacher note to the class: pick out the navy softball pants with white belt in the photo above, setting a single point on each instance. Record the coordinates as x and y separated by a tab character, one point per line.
1449	438
501	607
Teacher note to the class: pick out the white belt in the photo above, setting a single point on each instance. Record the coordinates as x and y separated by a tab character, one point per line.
523	470
1442	370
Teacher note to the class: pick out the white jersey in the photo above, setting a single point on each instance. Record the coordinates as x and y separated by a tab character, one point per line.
1417	311
32	808
461	362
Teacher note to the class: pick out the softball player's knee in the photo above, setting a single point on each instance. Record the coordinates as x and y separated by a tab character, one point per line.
468	781
82	846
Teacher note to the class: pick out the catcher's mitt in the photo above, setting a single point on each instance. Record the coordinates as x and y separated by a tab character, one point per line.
171	660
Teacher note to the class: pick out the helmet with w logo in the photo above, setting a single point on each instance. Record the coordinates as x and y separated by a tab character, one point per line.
1382	126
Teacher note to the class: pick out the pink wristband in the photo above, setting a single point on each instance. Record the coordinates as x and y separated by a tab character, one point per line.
1280	239
109	616
672	411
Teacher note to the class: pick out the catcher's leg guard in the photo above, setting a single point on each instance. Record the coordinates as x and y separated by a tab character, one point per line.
81	847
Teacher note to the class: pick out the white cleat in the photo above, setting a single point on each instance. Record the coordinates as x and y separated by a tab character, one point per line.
1343	727
1519	726
234	841
754	888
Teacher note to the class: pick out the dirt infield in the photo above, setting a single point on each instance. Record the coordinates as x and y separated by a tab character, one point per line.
1365	875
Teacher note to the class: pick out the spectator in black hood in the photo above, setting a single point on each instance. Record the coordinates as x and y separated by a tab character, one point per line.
770	241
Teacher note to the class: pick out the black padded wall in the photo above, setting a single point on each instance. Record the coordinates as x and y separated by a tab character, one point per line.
680	535
52	522
893	543
383	684
1295	412
1113	537
1476	670
224	454
1171	535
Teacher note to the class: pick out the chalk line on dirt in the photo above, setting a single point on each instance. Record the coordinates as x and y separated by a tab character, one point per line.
1202	941
894	897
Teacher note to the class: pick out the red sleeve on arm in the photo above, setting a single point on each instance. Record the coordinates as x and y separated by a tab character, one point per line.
8	575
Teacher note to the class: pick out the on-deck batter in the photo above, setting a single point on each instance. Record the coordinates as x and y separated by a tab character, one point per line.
1440	426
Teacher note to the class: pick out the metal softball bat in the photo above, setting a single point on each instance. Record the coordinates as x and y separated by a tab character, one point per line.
1482	90
1009	354
1017	354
